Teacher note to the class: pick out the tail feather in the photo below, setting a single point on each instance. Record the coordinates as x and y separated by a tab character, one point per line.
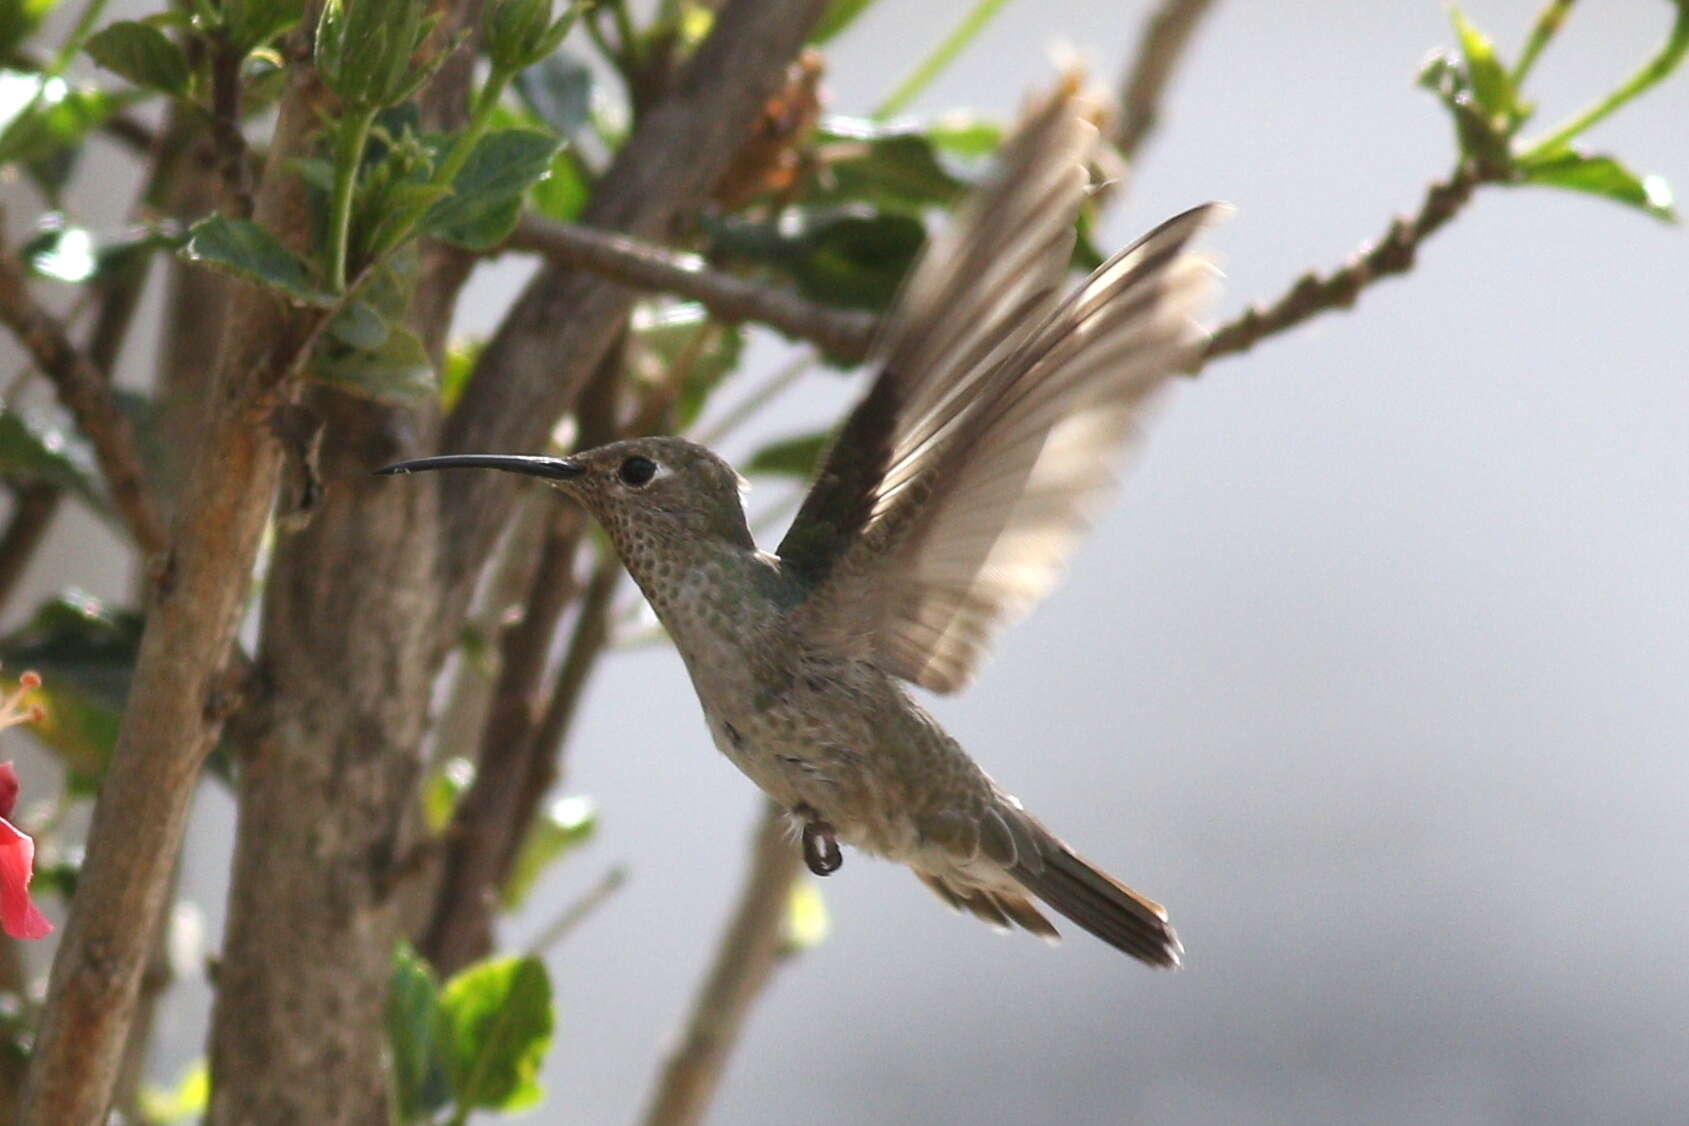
1001	909
1099	903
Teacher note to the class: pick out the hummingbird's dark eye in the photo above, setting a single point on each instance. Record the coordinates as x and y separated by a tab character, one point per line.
637	471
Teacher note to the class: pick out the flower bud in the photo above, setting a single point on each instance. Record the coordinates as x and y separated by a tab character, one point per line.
364	50
519	33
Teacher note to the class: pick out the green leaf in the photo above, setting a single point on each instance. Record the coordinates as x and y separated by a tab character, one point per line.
558	91
389	289
840	256
420	1082
965	135
940	57
1603	176
497	1023
365	50
359	326
888	170
1490	83
442	789
840	14
18	21
400	371
487	192
85	652
249	252
564	194
858	261
668	335
519	33
564	826
33	451
142	54
1474	131
487	227
790	457
252	23
185	1102
43	121
461	356
315	171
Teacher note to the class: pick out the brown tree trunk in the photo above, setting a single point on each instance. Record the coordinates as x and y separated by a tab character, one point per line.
177	698
326	797
359	614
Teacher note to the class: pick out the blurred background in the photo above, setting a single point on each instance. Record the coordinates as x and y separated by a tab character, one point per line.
1376	672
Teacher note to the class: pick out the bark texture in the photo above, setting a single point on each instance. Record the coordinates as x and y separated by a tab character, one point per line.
327	794
179	696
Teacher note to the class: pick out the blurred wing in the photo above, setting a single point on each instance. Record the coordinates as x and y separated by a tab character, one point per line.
989	477
984	282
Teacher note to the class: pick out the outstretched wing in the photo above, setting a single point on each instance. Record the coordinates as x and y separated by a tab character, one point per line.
960	484
983	283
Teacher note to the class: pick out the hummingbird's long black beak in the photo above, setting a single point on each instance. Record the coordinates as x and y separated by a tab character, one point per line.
552	468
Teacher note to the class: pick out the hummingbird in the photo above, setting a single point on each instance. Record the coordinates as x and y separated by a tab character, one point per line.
945	506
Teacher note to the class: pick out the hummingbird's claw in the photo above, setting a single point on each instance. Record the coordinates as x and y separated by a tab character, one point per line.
820	846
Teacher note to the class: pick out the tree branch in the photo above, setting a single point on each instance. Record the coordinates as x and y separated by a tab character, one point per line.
483	822
226	137
551	737
844	333
326	846
84	392
33	508
552	340
176	698
746	956
1315	293
119	297
493	817
1166	35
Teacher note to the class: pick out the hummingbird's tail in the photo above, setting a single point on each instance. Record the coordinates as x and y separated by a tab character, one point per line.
1100	903
985	870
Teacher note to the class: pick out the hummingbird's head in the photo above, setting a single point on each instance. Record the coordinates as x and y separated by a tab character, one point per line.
641	489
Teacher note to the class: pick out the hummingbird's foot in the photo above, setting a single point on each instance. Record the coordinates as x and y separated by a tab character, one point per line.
820	845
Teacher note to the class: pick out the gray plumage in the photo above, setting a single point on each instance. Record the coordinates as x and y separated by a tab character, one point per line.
947	505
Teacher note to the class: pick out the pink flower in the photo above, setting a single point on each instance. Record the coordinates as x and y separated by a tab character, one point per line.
18	916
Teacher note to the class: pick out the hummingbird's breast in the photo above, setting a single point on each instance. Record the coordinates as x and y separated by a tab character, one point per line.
811	728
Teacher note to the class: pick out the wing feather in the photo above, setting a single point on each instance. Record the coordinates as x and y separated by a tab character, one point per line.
961	484
983	282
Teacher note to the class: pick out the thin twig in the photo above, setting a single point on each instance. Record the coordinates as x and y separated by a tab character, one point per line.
1167	33
551	737
226	137
461	928
84	392
1315	293
746	956
644	266
493	817
1547	24
760	396
34	505
576	913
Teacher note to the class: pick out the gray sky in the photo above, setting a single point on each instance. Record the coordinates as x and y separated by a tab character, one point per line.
1374	673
